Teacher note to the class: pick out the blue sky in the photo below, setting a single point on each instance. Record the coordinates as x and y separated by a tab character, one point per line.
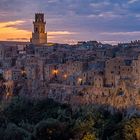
74	20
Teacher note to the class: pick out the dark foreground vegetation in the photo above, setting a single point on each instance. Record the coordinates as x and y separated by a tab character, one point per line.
24	119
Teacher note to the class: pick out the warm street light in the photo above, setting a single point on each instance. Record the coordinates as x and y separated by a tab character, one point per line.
55	72
23	72
65	76
80	80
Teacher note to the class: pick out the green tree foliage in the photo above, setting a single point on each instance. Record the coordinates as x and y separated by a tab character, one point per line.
33	110
130	129
89	136
50	129
28	119
13	132
127	129
3	126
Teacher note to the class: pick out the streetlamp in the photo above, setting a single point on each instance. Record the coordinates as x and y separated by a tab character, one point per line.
65	76
80	81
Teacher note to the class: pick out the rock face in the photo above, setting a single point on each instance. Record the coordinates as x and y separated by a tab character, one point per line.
137	131
122	99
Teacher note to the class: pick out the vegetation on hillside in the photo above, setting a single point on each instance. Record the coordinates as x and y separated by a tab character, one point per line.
26	119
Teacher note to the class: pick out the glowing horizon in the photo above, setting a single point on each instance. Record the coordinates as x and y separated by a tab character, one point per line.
9	32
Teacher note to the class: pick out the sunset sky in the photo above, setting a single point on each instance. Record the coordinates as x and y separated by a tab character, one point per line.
72	20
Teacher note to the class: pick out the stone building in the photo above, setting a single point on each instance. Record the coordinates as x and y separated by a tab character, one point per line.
8	55
112	70
136	72
39	36
14	74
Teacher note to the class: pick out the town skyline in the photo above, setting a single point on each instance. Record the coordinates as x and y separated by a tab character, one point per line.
71	21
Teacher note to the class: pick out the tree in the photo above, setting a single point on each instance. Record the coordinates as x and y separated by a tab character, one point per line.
89	136
50	129
15	133
130	128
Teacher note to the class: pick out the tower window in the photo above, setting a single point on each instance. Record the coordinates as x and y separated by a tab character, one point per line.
36	29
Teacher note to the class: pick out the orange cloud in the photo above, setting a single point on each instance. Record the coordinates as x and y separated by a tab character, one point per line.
8	31
53	33
10	23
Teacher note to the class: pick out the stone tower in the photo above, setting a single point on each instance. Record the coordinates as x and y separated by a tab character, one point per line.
39	36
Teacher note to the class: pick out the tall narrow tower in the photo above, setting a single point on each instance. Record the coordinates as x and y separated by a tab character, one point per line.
39	36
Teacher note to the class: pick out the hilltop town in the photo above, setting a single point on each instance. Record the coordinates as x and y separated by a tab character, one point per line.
88	72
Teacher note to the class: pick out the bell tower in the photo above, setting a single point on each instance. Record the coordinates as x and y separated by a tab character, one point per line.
39	36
